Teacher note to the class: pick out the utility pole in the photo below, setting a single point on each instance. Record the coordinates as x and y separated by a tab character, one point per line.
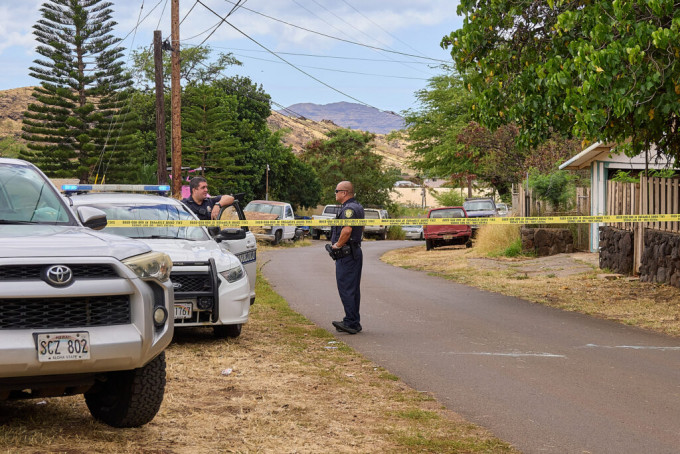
266	190
176	104
160	110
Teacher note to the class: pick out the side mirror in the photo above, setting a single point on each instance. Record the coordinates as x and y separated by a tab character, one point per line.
213	231
230	234
91	217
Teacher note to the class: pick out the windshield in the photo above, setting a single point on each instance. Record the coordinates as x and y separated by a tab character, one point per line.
27	198
152	212
479	205
448	213
265	208
368	214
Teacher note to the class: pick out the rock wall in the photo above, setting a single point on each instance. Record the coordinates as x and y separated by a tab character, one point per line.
661	258
547	241
616	250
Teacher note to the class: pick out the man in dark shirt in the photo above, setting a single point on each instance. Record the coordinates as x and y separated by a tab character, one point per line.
206	208
348	268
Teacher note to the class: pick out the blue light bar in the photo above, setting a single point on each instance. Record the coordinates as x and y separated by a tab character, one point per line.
70	188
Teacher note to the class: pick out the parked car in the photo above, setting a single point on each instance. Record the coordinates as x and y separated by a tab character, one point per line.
83	312
213	287
329	212
503	209
480	207
444	235
272	210
378	231
413	232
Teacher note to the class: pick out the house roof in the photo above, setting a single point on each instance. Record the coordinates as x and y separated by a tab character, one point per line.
606	152
597	151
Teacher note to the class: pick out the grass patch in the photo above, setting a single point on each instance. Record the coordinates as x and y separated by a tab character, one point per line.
287	392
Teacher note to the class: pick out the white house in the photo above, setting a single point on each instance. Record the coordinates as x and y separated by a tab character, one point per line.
603	161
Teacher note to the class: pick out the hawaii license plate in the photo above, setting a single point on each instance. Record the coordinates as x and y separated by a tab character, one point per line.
183	310
448	237
63	346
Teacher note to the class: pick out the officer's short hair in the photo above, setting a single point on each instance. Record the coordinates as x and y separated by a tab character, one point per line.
195	182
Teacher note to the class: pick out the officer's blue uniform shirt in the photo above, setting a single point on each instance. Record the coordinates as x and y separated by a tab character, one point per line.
203	210
351	209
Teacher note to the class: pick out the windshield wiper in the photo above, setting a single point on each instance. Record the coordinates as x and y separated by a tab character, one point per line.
7	221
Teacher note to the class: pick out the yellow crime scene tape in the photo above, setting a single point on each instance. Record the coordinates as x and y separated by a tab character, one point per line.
405	221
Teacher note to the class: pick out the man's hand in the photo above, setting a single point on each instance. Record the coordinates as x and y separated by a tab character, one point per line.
215	212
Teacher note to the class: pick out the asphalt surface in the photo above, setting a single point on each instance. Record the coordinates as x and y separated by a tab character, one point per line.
544	380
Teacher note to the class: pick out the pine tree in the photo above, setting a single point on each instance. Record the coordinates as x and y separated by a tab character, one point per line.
208	139
79	122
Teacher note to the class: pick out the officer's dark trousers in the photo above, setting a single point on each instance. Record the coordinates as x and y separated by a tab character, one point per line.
348	277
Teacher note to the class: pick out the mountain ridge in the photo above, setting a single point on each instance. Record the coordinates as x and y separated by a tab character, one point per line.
348	115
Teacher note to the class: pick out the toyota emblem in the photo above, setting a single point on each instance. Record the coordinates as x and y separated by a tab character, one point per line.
58	275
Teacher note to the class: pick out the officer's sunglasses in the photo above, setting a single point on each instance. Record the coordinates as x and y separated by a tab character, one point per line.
340	190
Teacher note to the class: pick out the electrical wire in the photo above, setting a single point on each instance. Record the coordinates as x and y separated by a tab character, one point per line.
334	37
284	60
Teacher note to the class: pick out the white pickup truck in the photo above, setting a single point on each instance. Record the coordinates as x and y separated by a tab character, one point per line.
269	209
329	212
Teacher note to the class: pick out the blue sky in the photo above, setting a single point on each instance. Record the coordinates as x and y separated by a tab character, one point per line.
380	79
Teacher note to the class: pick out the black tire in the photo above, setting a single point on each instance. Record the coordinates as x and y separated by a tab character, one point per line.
421	236
383	236
468	243
327	236
277	237
429	245
227	331
316	234
129	398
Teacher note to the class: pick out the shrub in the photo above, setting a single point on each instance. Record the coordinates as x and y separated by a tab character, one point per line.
494	240
395	232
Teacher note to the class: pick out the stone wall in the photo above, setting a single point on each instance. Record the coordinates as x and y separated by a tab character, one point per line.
661	258
616	250
547	241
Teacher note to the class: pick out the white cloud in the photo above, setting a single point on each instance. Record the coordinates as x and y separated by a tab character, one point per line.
16	25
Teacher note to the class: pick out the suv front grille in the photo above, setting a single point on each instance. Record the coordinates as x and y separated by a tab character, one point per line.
33	313
33	272
191	283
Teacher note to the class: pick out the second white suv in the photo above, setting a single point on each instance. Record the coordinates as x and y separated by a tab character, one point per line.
213	278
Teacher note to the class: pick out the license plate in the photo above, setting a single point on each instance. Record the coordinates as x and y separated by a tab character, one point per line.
183	310
448	237
63	346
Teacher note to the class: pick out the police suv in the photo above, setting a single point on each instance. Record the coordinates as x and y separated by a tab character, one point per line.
81	312
213	276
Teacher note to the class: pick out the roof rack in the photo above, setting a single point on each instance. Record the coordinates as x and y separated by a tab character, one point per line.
83	188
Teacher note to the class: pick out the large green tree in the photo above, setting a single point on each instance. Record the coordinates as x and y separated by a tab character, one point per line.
208	139
597	69
80	120
348	155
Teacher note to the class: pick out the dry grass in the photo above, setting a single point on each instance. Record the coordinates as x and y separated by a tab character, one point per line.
492	239
293	388
651	306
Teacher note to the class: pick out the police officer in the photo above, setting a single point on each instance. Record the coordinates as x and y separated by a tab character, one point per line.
348	268
206	208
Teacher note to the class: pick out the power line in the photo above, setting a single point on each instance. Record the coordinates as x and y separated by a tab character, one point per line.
335	37
284	60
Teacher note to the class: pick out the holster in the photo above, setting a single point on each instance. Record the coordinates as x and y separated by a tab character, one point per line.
339	253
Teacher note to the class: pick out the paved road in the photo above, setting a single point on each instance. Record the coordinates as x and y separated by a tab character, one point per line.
544	380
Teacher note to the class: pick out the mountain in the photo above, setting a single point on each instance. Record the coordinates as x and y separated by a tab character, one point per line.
297	132
348	115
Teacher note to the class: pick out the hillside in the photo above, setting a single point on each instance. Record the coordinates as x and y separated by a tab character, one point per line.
349	115
14	102
301	131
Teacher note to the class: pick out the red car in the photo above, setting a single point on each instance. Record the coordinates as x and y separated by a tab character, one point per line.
444	235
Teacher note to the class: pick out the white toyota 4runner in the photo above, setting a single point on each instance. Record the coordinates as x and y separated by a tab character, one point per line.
81	312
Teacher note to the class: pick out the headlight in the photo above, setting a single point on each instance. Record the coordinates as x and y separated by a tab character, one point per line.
233	274
152	265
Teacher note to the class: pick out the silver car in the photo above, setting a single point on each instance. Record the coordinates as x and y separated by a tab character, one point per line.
413	232
83	312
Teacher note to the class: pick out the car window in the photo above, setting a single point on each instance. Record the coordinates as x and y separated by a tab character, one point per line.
478	205
289	212
152	212
25	196
448	213
335	209
368	214
264	208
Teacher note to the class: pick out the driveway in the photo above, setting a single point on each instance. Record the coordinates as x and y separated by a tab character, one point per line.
539	378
